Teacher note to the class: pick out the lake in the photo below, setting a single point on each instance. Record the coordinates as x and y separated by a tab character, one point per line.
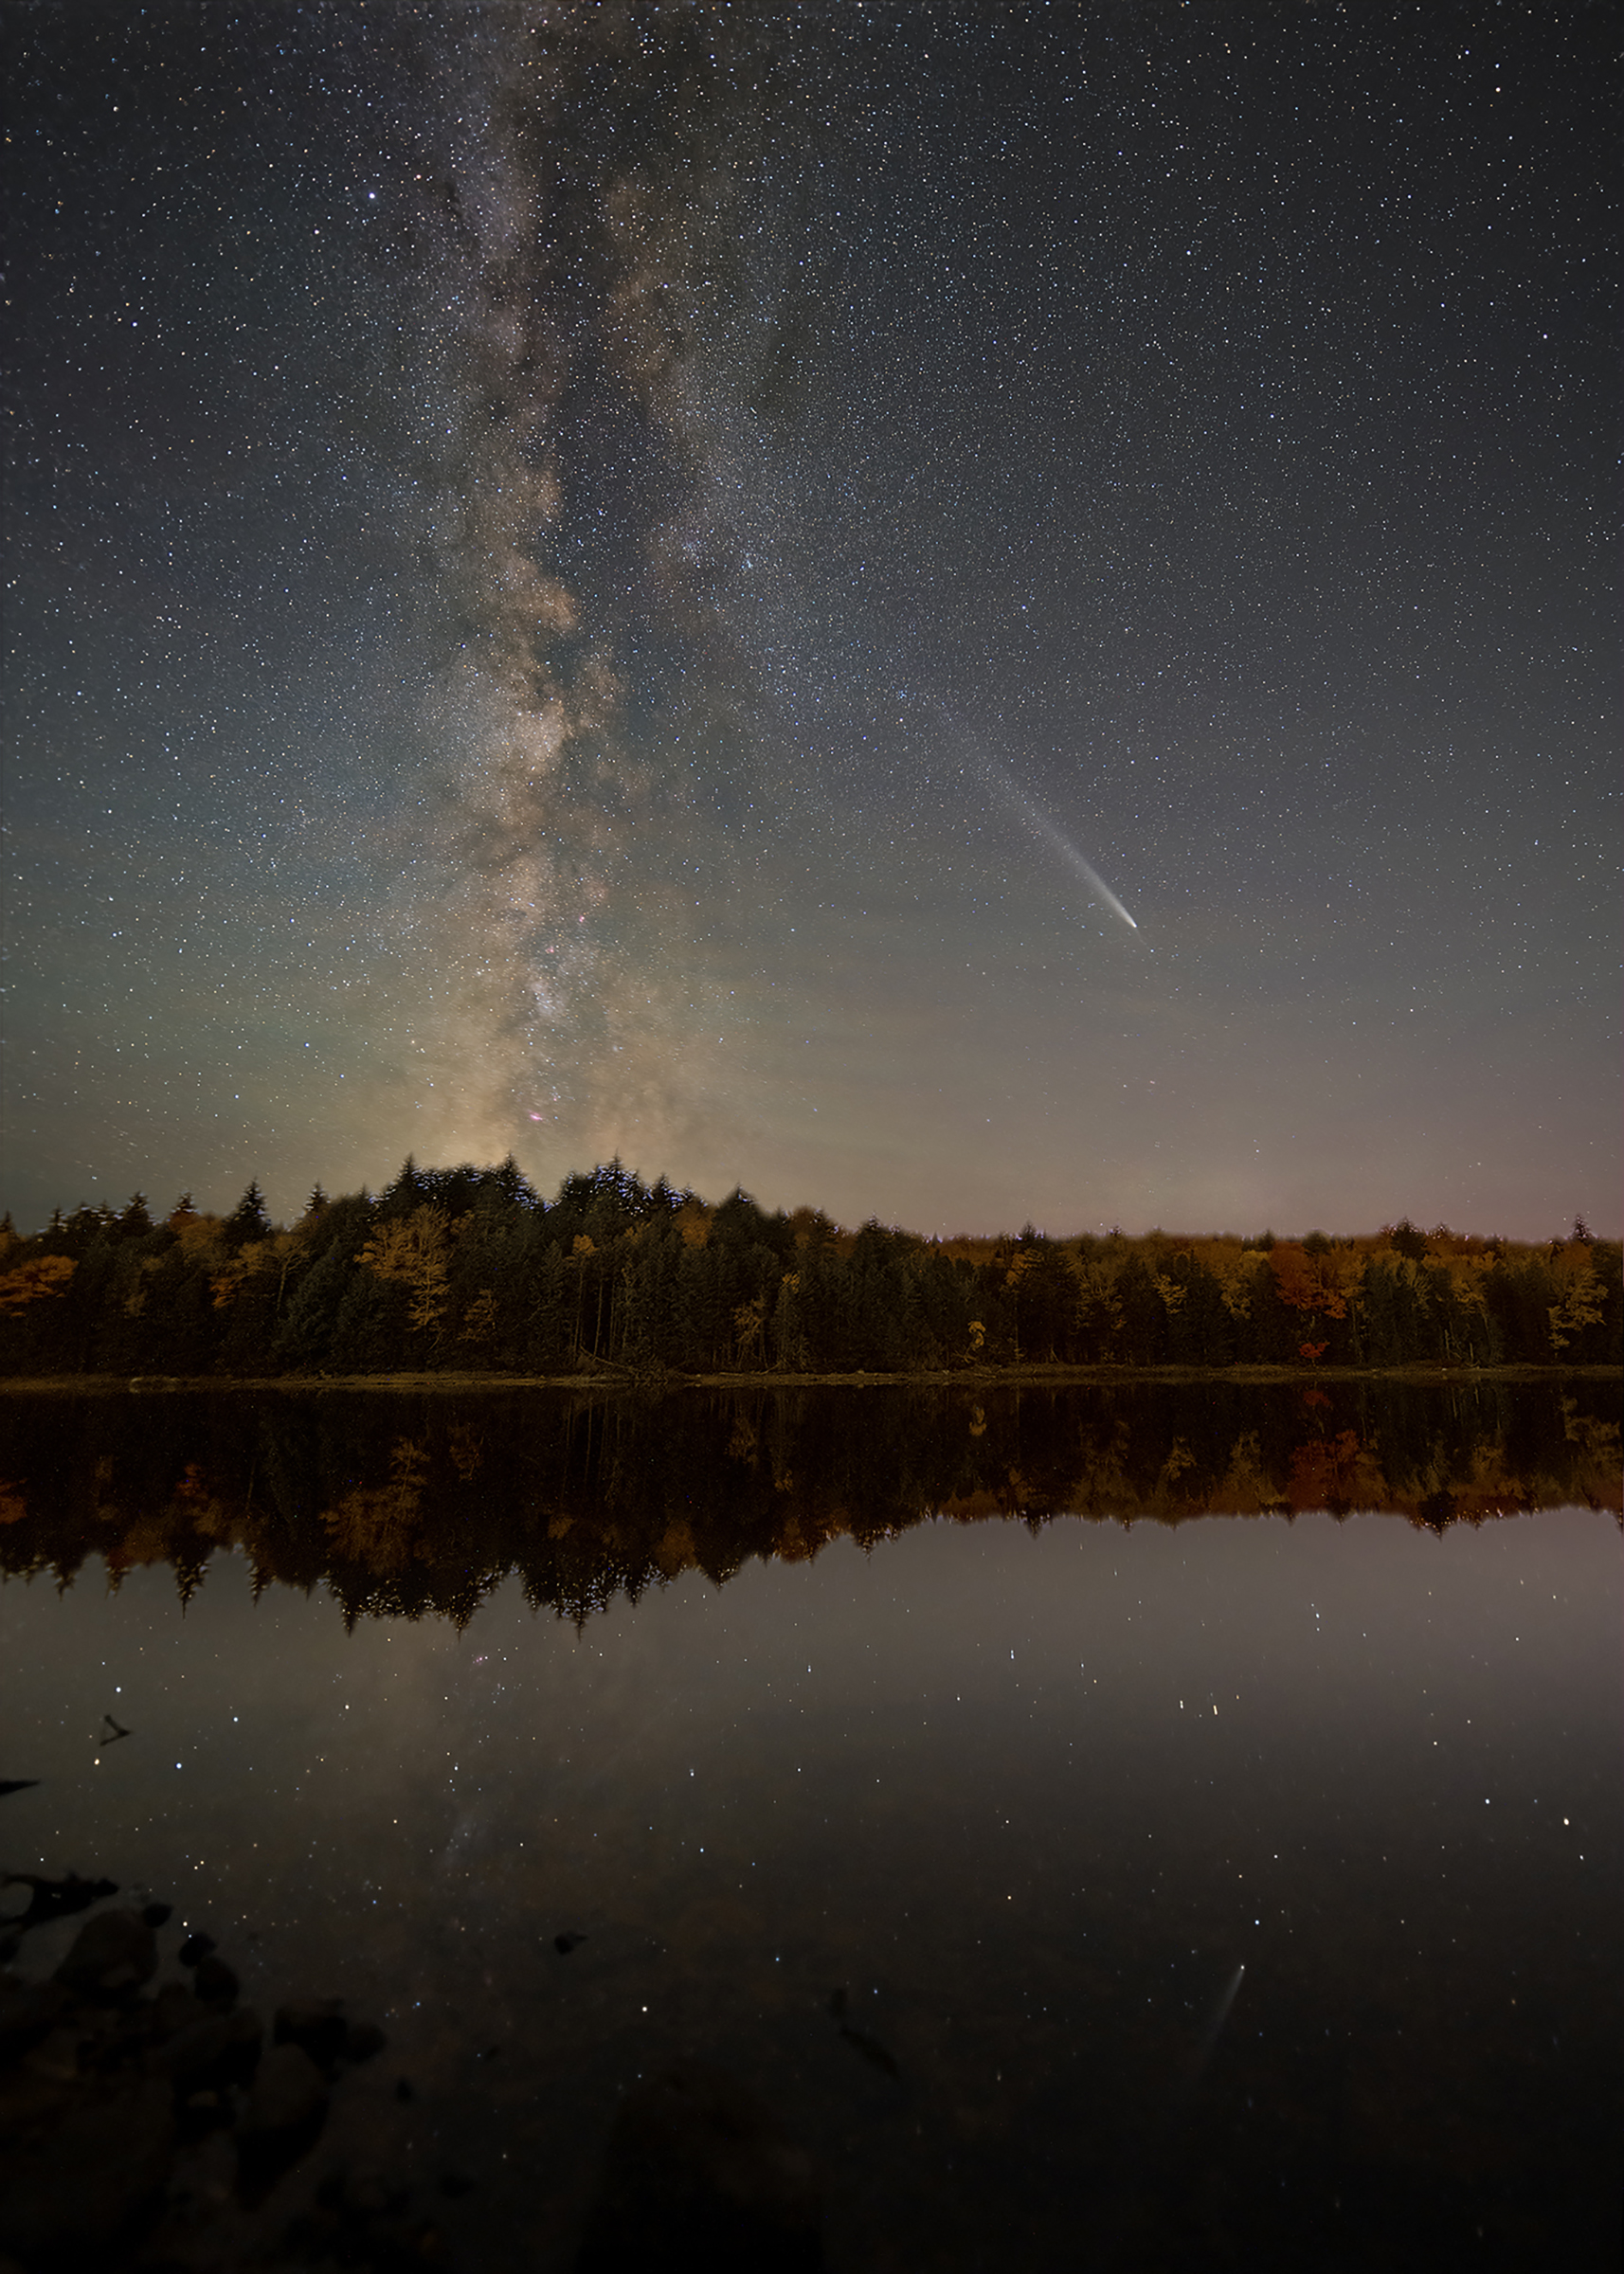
1170	1825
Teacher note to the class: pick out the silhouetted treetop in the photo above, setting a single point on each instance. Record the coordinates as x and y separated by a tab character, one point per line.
466	1270
249	1220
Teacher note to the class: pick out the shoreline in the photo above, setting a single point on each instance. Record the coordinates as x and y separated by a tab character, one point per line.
606	1377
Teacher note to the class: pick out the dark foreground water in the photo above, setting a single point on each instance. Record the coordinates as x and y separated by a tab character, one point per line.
1195	1892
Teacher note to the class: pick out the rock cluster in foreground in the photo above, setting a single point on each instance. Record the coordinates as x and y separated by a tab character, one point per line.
145	2131
143	2127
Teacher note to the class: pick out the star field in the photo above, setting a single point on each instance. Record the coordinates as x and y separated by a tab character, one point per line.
586	580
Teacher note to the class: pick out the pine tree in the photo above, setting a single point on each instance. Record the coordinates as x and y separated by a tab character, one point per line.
250	1220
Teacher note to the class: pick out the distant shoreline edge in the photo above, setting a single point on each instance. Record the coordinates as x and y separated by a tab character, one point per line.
625	1381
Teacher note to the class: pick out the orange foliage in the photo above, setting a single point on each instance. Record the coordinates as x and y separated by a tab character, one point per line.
1328	1473
693	1221
1301	1281
418	1254
40	1275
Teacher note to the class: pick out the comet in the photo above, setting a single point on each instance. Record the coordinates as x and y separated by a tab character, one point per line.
1004	783
1045	829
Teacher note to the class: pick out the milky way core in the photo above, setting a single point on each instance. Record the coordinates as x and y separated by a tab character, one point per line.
479	480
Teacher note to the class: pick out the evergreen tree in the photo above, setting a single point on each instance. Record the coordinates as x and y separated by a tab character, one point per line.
1200	1331
249	1220
548	1334
309	1319
370	1333
410	1190
1141	1340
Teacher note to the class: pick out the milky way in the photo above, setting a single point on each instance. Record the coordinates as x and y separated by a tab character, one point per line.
665	579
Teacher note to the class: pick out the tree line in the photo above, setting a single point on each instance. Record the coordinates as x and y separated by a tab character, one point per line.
470	1270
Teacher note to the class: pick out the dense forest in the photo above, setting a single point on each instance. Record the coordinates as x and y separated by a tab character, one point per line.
470	1270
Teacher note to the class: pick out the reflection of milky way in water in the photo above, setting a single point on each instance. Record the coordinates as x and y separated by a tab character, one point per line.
732	1804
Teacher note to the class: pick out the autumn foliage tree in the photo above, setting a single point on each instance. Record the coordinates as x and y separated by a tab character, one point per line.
33	1279
415	1252
470	1269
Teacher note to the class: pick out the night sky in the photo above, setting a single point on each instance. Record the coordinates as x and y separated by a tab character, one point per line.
962	614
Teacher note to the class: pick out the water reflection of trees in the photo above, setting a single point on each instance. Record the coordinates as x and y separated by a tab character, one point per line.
405	1504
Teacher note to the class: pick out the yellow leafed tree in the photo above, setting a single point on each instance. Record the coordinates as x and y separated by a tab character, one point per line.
1097	1298
260	1256
27	1282
417	1252
1580	1295
749	1323
1235	1270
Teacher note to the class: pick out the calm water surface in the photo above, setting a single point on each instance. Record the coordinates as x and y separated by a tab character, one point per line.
1197	1890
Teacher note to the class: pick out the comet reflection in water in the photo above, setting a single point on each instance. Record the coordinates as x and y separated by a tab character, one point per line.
1214	2029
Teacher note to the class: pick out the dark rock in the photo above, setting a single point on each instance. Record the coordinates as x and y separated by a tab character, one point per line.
157	1914
701	2177
455	2184
216	1984
173	2008
315	2024
194	1948
211	2053
112	1955
871	2052
285	2113
55	1898
89	2185
289	2095
359	2219
362	2041
363	2191
59	2059
34	2099
29	2011
566	1943
191	2053
404	2089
